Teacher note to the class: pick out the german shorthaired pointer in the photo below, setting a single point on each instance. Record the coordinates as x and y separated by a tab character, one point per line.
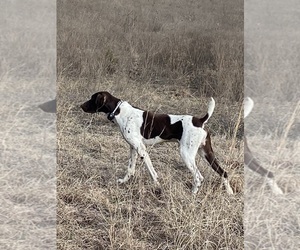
251	162
140	128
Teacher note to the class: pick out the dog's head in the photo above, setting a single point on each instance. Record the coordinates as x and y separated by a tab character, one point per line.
99	102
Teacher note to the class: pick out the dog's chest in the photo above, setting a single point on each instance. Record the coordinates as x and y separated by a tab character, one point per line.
129	121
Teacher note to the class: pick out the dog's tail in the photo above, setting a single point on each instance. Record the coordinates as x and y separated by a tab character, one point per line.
210	110
248	106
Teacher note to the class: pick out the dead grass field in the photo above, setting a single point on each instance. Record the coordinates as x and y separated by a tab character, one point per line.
28	197
272	79
27	135
272	222
194	45
167	57
96	213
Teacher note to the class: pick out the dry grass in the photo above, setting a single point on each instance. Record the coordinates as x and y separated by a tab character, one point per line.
27	136
196	45
97	213
271	50
27	183
159	56
277	224
272	79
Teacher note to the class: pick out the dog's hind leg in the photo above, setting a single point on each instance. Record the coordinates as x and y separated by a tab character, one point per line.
188	156
208	153
252	163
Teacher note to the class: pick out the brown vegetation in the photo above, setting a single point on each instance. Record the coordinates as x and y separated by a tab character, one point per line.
272	80
195	45
166	56
27	135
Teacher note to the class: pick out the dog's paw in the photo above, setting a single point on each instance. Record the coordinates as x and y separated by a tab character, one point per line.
195	190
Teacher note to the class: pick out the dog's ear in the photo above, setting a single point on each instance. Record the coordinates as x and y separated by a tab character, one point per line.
101	99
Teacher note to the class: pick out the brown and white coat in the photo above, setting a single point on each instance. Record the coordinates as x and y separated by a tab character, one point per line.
140	128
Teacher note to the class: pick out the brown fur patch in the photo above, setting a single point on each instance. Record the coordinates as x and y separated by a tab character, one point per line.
160	125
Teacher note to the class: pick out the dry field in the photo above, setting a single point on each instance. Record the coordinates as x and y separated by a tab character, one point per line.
272	79
27	183
272	222
27	135
168	57
95	212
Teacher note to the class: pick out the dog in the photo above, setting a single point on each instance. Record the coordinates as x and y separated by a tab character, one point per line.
140	128
251	162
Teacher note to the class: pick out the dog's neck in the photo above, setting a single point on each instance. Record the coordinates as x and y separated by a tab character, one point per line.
111	115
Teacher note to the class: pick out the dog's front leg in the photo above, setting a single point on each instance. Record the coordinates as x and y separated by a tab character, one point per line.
131	165
137	145
144	156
